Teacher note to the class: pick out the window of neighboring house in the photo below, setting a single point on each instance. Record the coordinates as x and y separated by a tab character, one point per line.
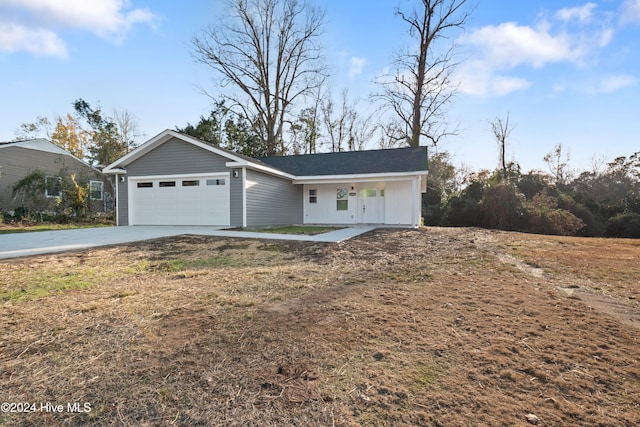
215	182
95	190
313	196
342	199
167	184
53	186
145	184
191	183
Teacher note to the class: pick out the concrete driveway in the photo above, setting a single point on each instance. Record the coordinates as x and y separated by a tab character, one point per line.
43	242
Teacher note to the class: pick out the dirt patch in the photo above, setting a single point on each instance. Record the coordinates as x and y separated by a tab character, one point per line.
396	327
603	273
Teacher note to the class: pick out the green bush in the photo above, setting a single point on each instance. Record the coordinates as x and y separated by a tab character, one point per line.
502	207
465	210
624	225
545	217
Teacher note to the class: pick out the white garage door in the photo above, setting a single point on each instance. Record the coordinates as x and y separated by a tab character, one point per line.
179	200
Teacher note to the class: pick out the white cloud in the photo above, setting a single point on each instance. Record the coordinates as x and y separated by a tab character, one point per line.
616	82
581	13
477	79
570	36
42	19
38	42
509	45
630	12
356	65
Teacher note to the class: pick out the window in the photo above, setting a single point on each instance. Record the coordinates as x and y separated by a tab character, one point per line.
95	190
145	184
53	186
371	193
194	183
342	199
215	182
382	193
167	184
313	196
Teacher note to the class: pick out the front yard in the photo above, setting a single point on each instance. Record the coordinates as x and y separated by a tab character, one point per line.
396	327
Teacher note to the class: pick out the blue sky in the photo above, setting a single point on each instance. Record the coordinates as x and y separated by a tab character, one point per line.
567	72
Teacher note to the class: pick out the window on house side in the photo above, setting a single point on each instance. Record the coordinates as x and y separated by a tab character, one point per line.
53	186
342	199
313	196
95	190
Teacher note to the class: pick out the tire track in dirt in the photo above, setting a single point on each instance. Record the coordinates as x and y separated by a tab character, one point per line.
582	289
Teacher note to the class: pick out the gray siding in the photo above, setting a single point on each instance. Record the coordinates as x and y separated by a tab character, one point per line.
177	157
16	162
236	199
123	200
272	200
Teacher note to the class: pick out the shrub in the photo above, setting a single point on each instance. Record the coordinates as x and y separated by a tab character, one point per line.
502	207
465	210
544	217
624	225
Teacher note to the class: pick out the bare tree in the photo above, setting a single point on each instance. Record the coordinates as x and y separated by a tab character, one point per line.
41	128
501	131
419	87
339	123
269	51
128	129
558	165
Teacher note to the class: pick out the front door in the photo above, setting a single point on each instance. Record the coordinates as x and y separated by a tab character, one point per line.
370	205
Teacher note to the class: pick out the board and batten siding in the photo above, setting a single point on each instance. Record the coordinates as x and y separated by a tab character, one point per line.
176	157
324	210
272	200
398	204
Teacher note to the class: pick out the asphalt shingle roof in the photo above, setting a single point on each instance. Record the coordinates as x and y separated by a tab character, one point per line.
410	159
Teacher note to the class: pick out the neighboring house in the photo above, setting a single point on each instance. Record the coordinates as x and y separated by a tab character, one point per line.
175	179
17	159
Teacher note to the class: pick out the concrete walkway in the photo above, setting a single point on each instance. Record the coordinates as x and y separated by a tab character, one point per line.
44	242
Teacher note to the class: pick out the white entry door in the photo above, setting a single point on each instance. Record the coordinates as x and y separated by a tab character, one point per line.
370	205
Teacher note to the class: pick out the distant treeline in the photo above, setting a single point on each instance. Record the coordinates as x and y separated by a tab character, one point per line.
603	202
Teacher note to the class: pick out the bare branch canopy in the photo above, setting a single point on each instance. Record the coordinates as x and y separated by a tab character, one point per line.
268	51
419	86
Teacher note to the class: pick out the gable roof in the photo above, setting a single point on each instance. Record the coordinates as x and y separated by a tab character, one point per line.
395	160
400	161
235	159
166	136
46	146
39	144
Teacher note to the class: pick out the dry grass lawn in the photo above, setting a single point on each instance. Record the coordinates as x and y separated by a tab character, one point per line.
433	327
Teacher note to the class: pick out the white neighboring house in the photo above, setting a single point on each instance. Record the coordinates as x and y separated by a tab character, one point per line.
175	179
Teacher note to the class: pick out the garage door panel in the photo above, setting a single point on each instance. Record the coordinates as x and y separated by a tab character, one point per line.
181	201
